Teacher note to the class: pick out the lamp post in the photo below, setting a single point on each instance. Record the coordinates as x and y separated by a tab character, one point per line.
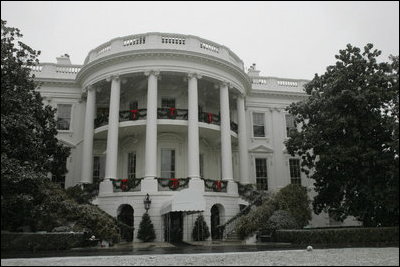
147	202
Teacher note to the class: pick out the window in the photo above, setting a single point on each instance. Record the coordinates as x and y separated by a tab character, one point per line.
261	174
133	105
258	125
201	162
131	165
294	166
98	168
167	163
290	124
63	116
167	102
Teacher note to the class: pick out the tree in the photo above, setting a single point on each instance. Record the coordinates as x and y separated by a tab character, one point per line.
293	198
30	149
349	139
146	229
200	230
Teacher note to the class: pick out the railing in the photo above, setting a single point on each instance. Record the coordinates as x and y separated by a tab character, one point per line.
209	47
230	226
133	114
172	113
127	185
134	41
156	40
162	113
66	69
215	185
209	117
172	184
172	40
278	83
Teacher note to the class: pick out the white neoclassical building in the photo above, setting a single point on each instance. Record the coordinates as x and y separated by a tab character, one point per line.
176	117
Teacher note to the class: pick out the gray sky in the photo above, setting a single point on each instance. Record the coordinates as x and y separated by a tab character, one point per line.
284	39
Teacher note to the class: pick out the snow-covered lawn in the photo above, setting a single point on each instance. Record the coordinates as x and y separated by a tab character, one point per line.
345	256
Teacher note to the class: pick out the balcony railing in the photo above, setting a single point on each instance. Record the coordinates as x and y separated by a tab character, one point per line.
172	113
215	185
133	114
162	113
127	185
172	184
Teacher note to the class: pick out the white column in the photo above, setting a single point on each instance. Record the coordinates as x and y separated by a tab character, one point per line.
112	136
242	135
193	134
226	145
149	184
87	160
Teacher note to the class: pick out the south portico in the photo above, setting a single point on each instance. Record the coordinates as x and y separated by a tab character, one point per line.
149	183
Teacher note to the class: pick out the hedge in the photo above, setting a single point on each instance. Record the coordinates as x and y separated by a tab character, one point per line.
361	235
41	241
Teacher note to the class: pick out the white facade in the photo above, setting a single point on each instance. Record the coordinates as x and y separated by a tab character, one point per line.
157	106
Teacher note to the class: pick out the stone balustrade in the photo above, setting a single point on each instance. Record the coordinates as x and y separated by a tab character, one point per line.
272	83
164	41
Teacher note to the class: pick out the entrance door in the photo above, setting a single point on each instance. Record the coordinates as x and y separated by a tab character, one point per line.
125	217
215	221
173	225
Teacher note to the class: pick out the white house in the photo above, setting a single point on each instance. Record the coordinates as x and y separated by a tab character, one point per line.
176	117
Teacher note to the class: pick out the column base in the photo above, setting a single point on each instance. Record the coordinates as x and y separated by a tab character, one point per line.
196	184
106	187
149	185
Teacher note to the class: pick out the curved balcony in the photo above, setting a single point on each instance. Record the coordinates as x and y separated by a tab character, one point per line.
162	113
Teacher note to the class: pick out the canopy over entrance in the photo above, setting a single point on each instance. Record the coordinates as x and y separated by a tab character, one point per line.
185	201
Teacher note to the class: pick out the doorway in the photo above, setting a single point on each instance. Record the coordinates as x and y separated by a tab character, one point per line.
125	222
173	227
216	234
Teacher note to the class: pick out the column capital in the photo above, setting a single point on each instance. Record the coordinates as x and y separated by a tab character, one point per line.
194	75
152	72
113	77
223	84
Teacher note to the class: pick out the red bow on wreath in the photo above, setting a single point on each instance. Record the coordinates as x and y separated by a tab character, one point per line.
174	183
172	111
124	184
134	114
209	117
218	185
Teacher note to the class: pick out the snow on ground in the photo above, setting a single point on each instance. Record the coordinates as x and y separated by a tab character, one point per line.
344	256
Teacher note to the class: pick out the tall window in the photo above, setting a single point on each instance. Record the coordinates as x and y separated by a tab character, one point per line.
63	116
294	166
167	102
131	165
261	174
201	162
98	168
258	125
290	124
167	163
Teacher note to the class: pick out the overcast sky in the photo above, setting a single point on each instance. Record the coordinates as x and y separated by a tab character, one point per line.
284	39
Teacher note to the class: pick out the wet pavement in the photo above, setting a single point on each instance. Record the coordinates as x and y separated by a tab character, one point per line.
153	249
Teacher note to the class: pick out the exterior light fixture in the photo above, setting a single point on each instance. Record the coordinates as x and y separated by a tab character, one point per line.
147	202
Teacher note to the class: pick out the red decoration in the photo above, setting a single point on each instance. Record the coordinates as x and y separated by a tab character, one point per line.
124	184
172	112
173	183
209	117
218	185
135	114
